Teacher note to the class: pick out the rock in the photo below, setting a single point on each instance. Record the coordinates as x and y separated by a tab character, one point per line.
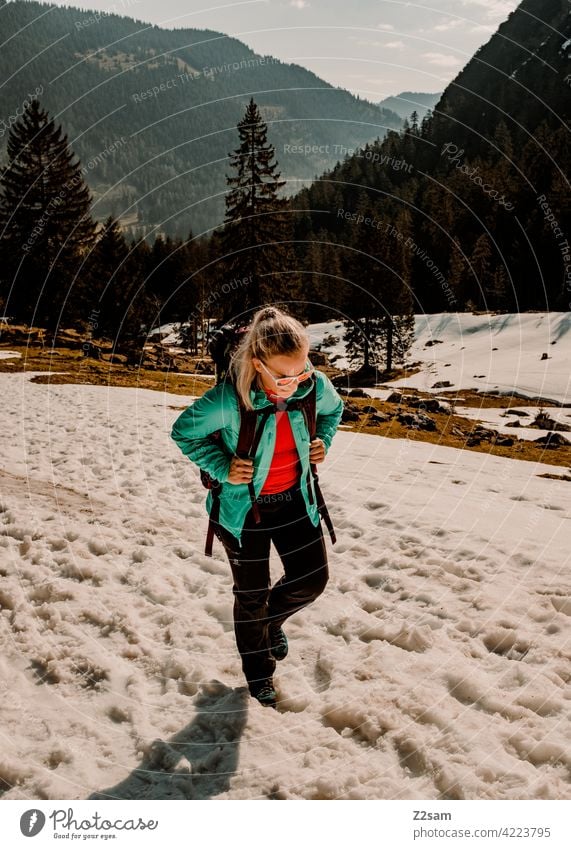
349	416
517	423
379	418
395	398
357	393
318	358
416	420
368	409
513	412
502	439
479	434
440	384
545	357
552	440
430	404
432	342
444	407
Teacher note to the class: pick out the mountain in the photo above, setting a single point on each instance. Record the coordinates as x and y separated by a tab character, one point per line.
152	112
409	101
472	206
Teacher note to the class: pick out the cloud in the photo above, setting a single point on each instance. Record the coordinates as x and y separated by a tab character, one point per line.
386	27
493	11
367	42
443	60
299	4
448	25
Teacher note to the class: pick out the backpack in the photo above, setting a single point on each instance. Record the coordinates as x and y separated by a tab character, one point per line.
223	344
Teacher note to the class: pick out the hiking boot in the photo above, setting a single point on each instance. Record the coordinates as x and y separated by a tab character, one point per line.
264	692
278	643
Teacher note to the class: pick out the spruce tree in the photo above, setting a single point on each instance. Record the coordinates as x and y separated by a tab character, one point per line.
259	263
118	296
480	278
380	326
365	336
45	223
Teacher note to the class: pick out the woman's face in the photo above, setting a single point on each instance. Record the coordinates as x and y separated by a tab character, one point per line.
281	366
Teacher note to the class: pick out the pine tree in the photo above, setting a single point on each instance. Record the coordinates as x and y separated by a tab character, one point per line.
45	222
499	291
480	262
118	296
457	272
380	328
397	295
364	334
258	259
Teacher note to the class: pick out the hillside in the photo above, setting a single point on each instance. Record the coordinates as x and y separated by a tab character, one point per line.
477	194
409	101
154	111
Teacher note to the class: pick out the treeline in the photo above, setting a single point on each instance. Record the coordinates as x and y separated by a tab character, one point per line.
60	269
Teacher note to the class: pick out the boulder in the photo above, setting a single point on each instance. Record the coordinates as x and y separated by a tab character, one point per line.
349	415
395	398
552	440
355	393
502	439
318	358
417	421
379	418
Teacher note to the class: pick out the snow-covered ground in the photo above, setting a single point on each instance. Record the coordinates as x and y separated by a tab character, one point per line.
497	418
437	664
484	352
8	355
495	352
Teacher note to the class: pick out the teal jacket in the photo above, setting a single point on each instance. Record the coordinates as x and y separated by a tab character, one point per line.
217	409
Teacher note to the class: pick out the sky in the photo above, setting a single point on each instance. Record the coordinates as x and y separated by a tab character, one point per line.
373	48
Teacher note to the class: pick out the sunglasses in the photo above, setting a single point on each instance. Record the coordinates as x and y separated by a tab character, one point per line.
287	381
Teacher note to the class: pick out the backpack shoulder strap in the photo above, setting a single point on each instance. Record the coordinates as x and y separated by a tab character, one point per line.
250	432
309	406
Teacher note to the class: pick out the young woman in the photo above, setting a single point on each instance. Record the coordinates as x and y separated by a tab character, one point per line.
271	365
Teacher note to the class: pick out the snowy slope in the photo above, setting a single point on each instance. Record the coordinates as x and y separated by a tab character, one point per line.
437	664
497	352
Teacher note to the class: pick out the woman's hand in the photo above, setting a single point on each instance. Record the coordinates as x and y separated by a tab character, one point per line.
241	471
316	450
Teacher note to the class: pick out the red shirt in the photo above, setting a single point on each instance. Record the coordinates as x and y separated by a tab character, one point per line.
283	471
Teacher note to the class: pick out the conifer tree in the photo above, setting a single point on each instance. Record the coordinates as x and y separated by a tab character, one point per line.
480	278
259	263
125	310
380	324
45	222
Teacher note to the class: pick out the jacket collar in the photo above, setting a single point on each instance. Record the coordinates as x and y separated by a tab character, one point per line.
260	399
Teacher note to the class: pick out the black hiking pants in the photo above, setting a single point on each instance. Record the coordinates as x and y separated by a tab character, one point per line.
257	604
